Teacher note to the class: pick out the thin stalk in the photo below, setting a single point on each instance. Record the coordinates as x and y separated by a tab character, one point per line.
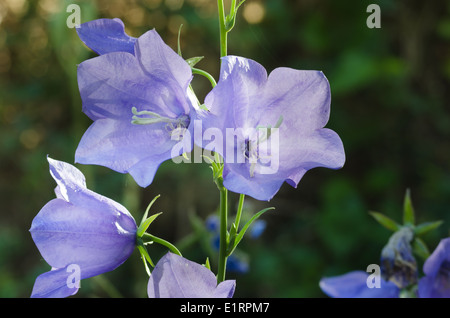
222	29
223	234
205	74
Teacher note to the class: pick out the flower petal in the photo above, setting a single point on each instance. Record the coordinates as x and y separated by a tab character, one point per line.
164	65
127	148
72	188
354	285
439	255
110	85
106	36
236	178
177	277
53	284
436	283
95	240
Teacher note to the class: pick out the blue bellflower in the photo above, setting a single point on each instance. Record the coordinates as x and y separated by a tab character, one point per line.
80	234
176	277
436	282
397	262
354	285
272	125
137	94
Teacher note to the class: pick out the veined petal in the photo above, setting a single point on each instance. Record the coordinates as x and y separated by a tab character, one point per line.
177	277
106	36
164	65
236	178
302	97
127	148
298	154
72	188
229	102
354	285
110	85
94	240
53	284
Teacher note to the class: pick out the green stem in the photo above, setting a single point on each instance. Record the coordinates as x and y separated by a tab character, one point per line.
223	234
205	74
222	29
161	241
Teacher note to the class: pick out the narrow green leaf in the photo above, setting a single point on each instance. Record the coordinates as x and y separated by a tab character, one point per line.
426	227
385	221
194	60
145	258
244	229
148	208
178	40
207	264
420	248
408	210
144	226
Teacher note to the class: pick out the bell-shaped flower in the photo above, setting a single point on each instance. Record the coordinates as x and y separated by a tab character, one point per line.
137	93
80	234
177	277
358	284
398	264
268	128
436	282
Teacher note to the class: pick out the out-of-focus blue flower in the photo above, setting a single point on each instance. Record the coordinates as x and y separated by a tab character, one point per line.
137	94
237	263
397	263
436	282
177	277
257	229
354	285
272	126
80	234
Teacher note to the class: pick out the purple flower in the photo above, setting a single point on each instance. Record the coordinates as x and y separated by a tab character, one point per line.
177	277
80	234
354	285
137	93
398	264
272	126
436	282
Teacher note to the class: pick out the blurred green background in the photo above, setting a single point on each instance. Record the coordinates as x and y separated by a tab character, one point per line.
390	105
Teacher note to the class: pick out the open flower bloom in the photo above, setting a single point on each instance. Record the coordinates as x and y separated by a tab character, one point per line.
176	277
272	126
436	283
137	93
355	285
80	234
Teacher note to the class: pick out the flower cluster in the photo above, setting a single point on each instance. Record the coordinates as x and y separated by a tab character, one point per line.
399	274
261	129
